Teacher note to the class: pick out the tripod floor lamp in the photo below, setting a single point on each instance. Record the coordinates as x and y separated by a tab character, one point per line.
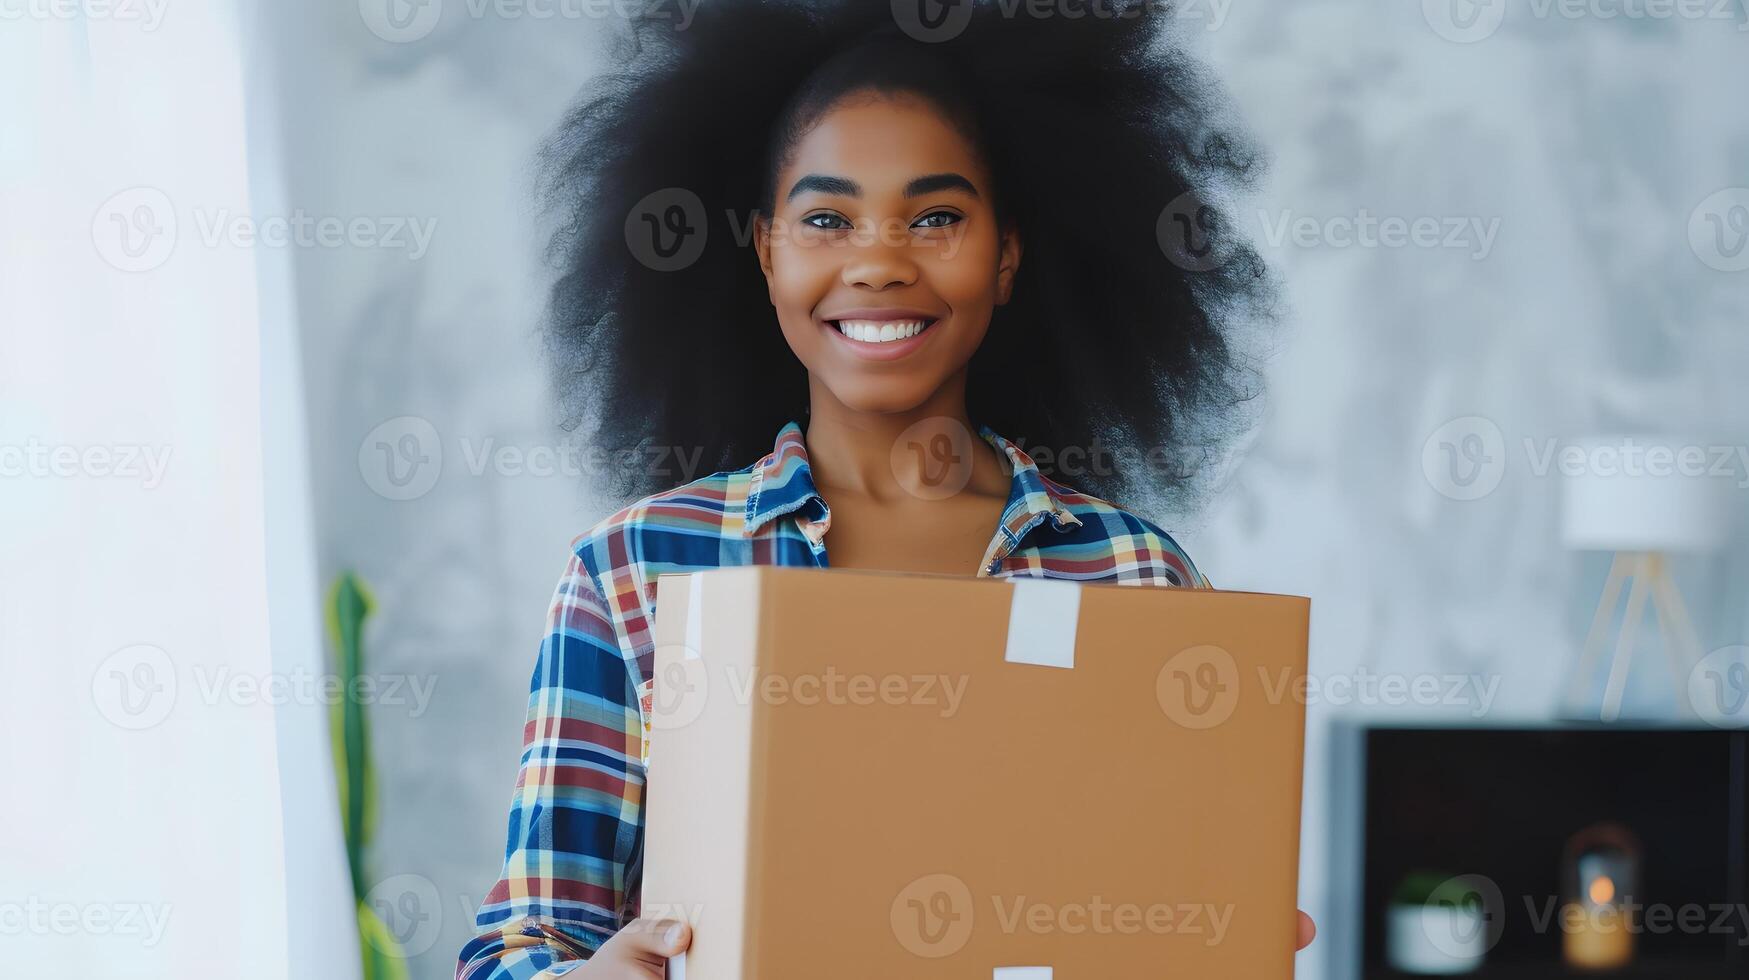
1643	499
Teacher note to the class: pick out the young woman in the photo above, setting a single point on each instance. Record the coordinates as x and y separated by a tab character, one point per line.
900	247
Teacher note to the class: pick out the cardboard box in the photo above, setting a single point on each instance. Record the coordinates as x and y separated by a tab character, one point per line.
860	774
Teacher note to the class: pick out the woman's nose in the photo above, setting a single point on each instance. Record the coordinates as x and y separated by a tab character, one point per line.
879	262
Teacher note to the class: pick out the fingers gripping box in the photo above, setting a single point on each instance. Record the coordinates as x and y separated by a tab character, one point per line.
875	775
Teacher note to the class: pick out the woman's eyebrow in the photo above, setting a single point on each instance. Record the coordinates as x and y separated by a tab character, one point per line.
939	182
845	187
840	186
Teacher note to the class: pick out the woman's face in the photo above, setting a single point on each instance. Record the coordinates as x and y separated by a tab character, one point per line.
882	254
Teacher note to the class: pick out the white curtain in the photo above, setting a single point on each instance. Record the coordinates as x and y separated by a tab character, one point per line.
169	805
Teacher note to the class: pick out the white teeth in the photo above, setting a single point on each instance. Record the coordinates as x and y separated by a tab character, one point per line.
878	332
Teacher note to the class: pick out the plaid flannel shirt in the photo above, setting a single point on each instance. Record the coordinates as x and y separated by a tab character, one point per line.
572	866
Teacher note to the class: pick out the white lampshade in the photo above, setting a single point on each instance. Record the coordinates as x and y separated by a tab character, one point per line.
1647	493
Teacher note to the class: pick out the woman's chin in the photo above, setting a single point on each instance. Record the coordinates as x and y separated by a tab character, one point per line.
879	396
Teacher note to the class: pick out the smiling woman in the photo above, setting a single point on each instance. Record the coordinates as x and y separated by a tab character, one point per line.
882	324
950	239
1093	143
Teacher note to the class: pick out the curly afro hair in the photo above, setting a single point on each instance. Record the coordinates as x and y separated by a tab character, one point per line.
1108	150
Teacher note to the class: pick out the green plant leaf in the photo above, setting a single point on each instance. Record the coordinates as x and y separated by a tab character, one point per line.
384	959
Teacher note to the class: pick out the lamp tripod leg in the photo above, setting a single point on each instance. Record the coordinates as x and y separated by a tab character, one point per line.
1588	655
1679	636
1624	645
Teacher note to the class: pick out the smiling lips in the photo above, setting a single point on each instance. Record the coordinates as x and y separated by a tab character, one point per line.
878	331
881	334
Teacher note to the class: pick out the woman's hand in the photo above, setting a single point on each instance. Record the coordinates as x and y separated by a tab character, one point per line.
639	951
1308	929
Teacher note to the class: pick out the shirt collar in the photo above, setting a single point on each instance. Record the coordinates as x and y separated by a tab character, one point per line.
782	484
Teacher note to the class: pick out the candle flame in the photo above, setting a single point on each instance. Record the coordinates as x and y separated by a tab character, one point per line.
1602	890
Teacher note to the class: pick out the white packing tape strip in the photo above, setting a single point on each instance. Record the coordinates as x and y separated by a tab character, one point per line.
694	616
1042	617
694	640
1016	973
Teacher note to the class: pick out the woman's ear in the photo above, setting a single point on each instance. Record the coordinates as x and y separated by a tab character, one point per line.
762	246
1007	262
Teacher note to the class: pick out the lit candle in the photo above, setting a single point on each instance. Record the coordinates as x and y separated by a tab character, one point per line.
1597	921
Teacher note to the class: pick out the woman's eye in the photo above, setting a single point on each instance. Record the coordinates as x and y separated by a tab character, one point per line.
830	222
937	219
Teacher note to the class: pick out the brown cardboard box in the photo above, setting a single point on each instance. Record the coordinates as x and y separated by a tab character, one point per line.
868	774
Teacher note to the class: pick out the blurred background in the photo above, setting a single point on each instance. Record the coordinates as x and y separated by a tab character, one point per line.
283	263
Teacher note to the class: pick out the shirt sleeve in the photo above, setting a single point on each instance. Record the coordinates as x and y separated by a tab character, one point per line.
1175	558
576	812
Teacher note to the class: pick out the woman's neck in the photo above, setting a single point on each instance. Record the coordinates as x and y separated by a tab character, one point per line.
927	452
